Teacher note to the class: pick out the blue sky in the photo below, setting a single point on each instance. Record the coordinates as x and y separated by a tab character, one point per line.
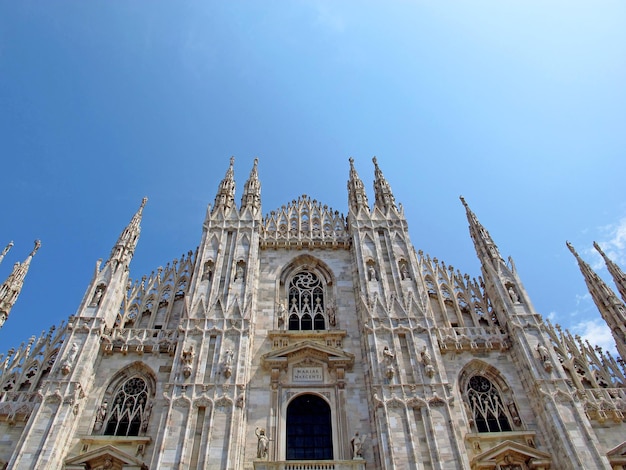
520	106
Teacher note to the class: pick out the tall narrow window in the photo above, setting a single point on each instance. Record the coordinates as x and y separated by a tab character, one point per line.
486	405
127	413
309	429
306	302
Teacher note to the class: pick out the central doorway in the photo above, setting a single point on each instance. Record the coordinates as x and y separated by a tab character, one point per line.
309	429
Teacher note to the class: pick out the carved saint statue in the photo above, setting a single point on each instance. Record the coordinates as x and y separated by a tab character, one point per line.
357	446
404	271
281	310
388	355
513	295
371	273
263	443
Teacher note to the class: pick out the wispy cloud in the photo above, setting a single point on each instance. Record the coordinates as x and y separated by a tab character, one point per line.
612	240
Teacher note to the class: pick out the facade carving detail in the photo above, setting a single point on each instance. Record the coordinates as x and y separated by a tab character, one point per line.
306	339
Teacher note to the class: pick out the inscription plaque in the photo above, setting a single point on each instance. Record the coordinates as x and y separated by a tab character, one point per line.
308	374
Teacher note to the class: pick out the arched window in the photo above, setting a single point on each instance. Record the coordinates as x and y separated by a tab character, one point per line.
128	414
306	302
486	406
309	429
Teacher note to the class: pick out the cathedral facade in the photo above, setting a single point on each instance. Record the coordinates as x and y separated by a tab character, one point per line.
308	340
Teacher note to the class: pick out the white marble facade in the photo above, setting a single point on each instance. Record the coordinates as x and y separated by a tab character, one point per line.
309	340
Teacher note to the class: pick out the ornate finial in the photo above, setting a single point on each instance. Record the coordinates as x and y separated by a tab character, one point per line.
251	197
37	246
6	250
382	190
357	198
225	198
571	248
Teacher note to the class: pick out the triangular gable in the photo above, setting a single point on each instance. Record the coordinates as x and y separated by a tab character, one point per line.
617	455
117	458
509	451
282	357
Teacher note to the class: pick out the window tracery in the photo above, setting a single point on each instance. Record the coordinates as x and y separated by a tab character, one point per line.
128	414
306	302
486	406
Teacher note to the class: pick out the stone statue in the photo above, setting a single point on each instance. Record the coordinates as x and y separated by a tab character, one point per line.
371	272
543	352
146	417
330	311
513	295
263	443
187	360
404	271
388	355
281	312
69	359
101	416
239	273
97	295
544	355
228	360
357	446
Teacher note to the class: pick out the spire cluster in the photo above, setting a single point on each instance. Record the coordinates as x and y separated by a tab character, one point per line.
357	197
612	309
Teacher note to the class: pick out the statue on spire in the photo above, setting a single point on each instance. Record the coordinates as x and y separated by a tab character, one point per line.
357	197
252	190
382	190
5	251
225	198
11	288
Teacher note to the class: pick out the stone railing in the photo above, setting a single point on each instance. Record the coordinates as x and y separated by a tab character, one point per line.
604	403
357	464
471	338
138	340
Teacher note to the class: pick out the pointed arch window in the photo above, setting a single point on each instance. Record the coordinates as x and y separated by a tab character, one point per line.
306	302
127	415
486	405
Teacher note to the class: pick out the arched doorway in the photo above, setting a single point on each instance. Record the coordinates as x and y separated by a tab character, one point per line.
309	429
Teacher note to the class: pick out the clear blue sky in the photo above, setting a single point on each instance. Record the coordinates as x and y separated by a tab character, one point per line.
520	106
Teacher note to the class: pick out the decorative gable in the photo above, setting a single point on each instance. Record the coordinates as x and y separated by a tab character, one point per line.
107	457
513	455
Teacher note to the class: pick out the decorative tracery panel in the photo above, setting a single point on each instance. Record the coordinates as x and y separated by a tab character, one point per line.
486	406
127	414
306	302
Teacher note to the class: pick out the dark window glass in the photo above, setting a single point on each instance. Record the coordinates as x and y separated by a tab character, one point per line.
309	430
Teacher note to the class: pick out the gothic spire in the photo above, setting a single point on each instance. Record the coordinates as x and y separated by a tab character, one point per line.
127	242
252	190
613	310
5	251
11	288
619	277
485	247
225	197
357	198
382	190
